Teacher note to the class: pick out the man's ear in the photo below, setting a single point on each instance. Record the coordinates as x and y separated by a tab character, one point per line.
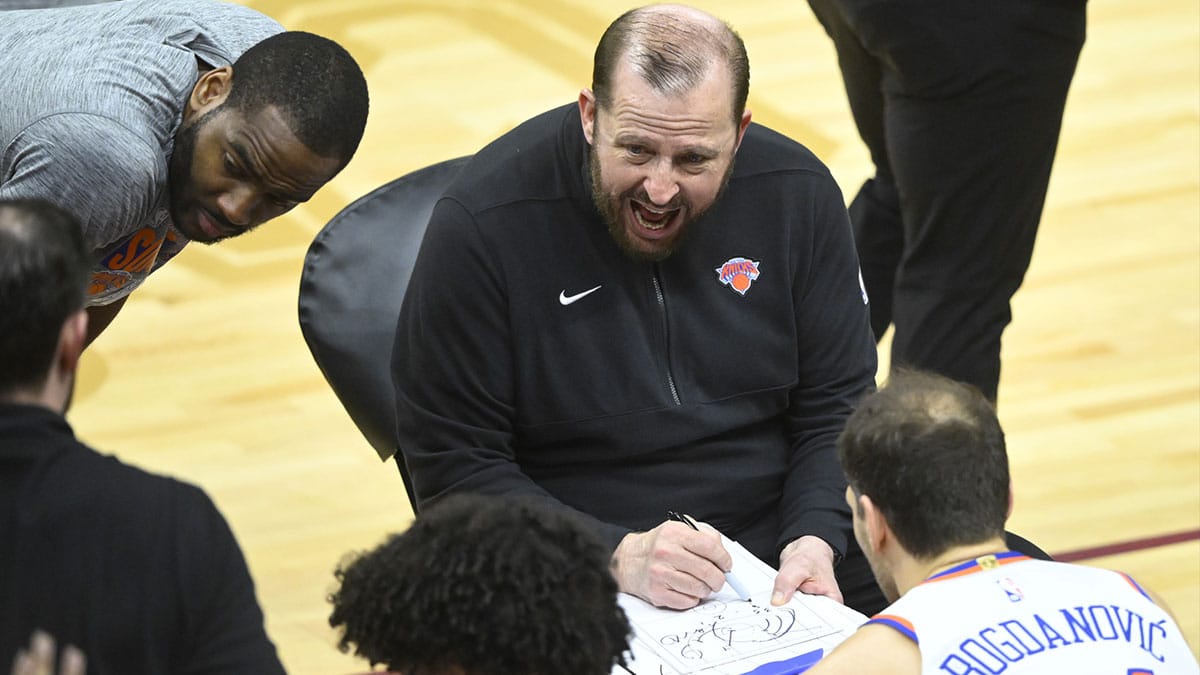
587	114
741	132
879	534
71	341
210	91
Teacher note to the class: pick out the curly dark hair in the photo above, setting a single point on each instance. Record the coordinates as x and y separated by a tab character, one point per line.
488	585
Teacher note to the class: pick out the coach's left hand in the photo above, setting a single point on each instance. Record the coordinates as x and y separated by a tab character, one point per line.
806	565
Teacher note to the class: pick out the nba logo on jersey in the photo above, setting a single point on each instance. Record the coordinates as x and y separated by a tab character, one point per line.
1010	588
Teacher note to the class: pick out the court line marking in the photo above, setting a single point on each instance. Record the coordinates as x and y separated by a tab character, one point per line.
1127	546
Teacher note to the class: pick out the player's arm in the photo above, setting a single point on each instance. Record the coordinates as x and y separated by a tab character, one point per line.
94	168
873	649
1152	596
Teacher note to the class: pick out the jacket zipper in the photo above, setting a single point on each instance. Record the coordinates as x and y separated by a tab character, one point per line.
662	305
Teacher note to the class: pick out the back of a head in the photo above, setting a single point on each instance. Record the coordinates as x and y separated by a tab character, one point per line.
484	586
44	268
672	48
314	82
930	454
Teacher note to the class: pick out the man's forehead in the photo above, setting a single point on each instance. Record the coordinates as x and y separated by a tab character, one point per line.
634	123
706	107
265	138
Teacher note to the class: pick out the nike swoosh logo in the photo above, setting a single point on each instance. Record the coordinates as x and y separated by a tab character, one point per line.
564	299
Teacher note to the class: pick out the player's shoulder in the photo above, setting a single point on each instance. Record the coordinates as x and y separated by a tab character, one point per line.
209	14
110	474
873	648
94	141
105	173
1053	571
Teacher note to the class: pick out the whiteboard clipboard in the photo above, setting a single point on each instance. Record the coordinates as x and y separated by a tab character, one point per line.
727	636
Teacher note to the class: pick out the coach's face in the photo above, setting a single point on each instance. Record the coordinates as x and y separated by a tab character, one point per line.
658	160
232	171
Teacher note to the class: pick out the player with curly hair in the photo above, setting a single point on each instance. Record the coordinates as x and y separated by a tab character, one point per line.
484	586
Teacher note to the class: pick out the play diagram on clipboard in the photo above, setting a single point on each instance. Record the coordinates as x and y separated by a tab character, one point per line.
727	636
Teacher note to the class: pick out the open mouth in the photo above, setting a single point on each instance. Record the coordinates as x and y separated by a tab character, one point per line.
652	222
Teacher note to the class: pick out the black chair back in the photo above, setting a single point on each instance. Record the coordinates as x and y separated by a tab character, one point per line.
353	282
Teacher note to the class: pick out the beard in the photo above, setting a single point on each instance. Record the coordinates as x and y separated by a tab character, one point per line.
611	208
885	579
179	173
879	567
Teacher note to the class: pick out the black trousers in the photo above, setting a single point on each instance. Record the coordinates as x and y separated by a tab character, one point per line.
960	103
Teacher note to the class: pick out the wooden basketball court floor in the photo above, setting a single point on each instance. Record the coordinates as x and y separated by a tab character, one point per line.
206	376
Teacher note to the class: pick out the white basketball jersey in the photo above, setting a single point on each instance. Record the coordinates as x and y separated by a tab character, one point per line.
1007	613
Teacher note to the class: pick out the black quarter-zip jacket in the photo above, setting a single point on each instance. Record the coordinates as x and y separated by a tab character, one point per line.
664	387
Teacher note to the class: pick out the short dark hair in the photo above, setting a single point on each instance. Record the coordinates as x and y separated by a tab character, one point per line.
491	585
930	454
671	53
44	268
315	83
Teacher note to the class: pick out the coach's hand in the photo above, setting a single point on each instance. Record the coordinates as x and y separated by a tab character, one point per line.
39	659
672	565
806	565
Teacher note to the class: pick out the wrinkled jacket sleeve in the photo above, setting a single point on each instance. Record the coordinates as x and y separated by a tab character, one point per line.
837	362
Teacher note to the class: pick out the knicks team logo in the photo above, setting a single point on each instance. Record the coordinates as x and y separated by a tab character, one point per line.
738	274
